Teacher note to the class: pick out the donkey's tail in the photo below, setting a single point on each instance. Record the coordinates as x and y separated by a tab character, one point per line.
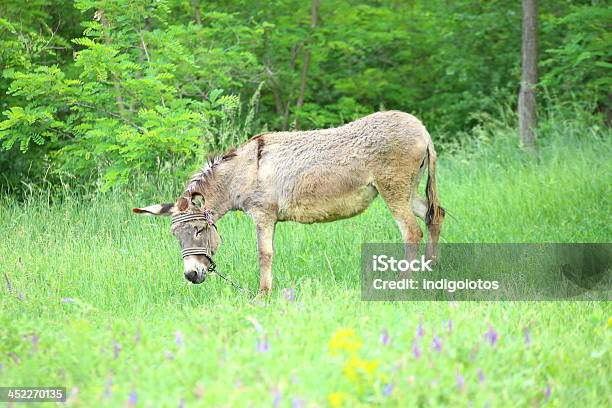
435	213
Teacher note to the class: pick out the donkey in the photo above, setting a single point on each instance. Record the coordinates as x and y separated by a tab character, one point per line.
310	176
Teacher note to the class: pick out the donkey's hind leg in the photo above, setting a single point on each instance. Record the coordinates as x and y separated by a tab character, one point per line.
399	204
419	208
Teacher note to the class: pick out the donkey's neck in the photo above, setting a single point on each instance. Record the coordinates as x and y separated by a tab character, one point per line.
228	187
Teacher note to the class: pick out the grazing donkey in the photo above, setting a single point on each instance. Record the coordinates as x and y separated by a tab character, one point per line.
310	176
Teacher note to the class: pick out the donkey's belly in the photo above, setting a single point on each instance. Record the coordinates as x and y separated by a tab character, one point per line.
325	206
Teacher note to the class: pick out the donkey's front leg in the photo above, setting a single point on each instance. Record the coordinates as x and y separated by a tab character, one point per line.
265	246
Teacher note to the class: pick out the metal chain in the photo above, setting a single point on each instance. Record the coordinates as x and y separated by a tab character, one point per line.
235	285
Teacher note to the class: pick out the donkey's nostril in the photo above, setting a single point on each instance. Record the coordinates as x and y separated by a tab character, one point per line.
191	276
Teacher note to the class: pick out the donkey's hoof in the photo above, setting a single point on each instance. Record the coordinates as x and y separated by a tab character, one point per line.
431	257
264	291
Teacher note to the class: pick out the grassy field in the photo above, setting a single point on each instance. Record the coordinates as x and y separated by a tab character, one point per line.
96	301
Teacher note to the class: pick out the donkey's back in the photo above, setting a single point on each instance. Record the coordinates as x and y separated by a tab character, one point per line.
373	135
325	175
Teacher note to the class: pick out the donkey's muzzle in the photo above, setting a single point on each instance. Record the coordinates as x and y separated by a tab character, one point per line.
195	276
197	267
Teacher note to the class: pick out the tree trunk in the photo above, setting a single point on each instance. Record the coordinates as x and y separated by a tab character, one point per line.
196	11
529	76
314	14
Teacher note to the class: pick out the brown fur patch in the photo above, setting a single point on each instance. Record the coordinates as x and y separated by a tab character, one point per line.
230	154
166	208
260	145
258	136
183	203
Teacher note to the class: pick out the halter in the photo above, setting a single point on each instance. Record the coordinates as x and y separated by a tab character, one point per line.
185	252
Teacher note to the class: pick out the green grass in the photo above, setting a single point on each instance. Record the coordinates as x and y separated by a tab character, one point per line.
103	291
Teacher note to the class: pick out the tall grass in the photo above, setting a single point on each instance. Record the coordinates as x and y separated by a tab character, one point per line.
94	298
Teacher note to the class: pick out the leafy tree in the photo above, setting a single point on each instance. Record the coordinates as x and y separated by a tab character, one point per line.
118	111
577	65
108	89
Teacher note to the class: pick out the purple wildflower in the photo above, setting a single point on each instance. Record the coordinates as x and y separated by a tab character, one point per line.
277	397
34	340
527	336
481	376
67	300
289	294
450	325
262	344
388	389
298	403
436	343
420	332
547	392
108	388
1	367
133	398
116	349
416	351
491	336
460	381
181	403
21	296
385	339
178	338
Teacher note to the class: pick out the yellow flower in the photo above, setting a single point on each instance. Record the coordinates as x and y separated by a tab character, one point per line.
609	322
337	399
370	366
344	340
356	368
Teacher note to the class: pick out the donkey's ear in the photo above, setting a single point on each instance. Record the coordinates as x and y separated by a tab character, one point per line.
188	199
197	200
157	209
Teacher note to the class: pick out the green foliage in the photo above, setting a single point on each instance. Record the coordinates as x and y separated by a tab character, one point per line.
104	90
579	65
117	111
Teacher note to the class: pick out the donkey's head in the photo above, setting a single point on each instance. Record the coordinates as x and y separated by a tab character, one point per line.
195	230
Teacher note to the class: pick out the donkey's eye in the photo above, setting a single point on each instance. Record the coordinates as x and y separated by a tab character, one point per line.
198	231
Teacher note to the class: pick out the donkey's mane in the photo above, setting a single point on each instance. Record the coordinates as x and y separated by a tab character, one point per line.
199	181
